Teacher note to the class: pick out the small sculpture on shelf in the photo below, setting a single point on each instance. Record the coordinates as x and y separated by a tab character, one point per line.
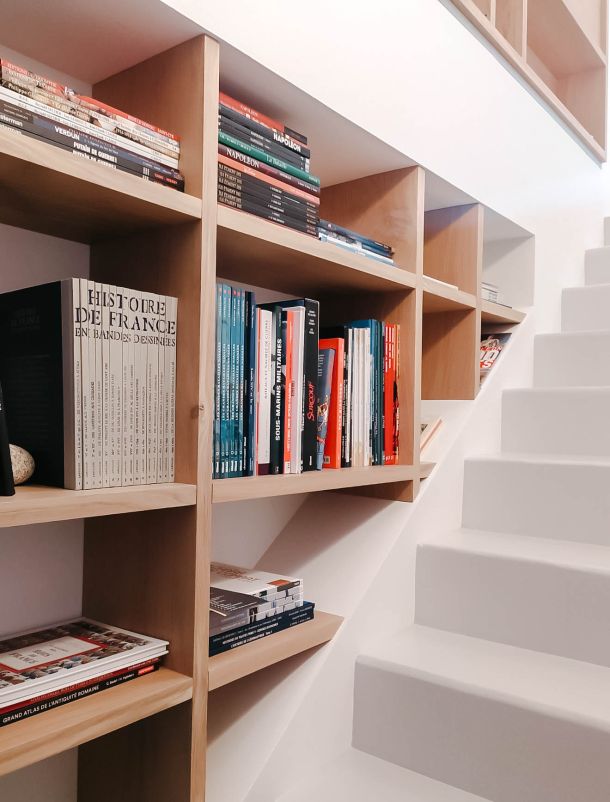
23	464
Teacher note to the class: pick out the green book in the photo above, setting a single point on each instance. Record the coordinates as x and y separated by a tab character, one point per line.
262	156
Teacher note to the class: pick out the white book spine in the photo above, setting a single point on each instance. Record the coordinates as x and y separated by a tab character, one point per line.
98	402
264	394
85	385
163	397
128	389
150	356
142	450
106	405
115	340
171	334
71	353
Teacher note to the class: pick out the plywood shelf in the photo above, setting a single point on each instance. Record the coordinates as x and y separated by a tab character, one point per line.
255	251
439	298
47	189
33	504
40	737
563	45
496	313
245	660
250	487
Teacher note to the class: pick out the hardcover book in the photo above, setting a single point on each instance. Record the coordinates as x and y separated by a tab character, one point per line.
326	359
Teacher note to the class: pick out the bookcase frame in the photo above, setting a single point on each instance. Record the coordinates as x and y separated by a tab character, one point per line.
147	548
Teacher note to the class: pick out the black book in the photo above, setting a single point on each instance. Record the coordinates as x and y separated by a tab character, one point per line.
247	204
310	380
263	143
7	486
269	133
40	334
261	629
266	200
235	178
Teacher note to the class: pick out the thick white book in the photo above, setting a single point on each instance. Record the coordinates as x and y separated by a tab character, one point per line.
170	342
99	384
128	299
107	411
72	376
163	399
86	394
265	378
115	344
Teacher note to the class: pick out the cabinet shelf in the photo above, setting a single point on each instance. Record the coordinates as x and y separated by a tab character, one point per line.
256	251
438	298
244	660
496	313
251	487
26	742
33	504
47	189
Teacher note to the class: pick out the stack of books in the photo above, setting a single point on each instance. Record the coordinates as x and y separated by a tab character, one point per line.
354	242
88	372
45	110
286	401
263	168
490	292
247	604
44	669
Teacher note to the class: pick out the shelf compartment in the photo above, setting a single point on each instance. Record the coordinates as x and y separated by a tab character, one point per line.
48	190
245	660
251	487
450	355
26	742
453	245
438	298
33	504
255	251
496	313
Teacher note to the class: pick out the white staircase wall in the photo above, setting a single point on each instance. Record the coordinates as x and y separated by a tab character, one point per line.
578	359
546	595
586	308
597	266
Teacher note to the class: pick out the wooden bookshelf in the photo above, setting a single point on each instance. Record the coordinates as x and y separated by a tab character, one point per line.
26	742
36	505
151	733
559	47
237	663
497	313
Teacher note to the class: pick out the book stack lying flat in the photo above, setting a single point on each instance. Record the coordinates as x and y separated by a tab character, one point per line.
45	110
490	292
354	242
263	168
44	669
247	604
287	402
89	378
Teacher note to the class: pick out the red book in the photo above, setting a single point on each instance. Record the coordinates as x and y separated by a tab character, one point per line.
258	117
332	447
268	179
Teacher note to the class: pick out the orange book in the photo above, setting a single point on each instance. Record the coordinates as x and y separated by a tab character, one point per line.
332	447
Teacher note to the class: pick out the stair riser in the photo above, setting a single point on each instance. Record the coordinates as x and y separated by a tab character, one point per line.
586	308
556	422
481	744
556	609
597	266
568	502
572	361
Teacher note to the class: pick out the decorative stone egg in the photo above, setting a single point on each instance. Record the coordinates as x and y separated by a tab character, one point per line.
23	464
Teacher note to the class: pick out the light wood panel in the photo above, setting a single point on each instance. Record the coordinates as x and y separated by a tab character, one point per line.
26	742
496	313
245	660
511	23
558	39
438	298
449	357
89	200
451	246
256	251
35	505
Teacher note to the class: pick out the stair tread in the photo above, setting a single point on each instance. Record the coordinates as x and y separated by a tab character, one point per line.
356	776
572	460
555	686
562	553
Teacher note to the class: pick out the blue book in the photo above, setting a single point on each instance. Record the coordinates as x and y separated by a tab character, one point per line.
217	382
260	629
250	386
326	361
224	392
233	368
241	299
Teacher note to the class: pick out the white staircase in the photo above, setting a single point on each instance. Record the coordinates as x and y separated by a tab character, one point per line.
501	689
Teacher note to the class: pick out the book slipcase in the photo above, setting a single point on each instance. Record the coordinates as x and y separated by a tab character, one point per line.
147	567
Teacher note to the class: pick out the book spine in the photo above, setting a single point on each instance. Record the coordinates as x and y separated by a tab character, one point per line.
148	351
7	485
326	358
246	205
27	102
233	368
243	163
107	411
288	383
217	382
276	446
396	395
334	445
226	361
348	411
95	478
236	180
266	199
354	235
269	626
260	155
61	699
115	339
99	386
251	389
240	384
163	397
264	391
85	330
258	117
71	356
263	143
129	388
310	374
171	366
274	134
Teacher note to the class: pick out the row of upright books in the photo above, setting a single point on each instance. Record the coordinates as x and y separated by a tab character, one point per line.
88	372
288	401
44	109
44	669
247	604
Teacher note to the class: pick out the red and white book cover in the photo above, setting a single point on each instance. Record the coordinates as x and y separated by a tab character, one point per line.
332	446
